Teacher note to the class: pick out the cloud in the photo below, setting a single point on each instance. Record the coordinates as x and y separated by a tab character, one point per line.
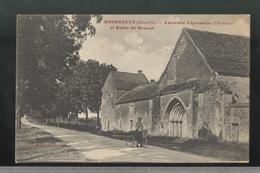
150	50
101	49
117	46
151	61
133	39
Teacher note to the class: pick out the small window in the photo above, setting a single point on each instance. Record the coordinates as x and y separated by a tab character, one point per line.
120	124
131	124
235	132
228	133
131	110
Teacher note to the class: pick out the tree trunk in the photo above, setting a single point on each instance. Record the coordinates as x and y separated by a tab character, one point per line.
76	118
86	114
98	122
58	122
45	118
19	123
86	118
69	120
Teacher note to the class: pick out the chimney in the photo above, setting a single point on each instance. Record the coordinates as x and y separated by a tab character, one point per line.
152	81
139	71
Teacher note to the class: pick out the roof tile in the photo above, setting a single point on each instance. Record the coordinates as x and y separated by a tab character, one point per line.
127	81
226	54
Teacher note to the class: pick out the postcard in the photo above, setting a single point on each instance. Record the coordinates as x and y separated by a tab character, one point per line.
133	88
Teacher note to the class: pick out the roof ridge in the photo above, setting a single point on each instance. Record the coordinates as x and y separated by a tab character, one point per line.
127	80
218	33
124	72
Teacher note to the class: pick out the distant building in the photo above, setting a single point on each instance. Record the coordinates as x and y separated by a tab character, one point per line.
204	85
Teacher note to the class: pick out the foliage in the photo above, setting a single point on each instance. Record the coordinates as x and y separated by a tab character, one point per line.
47	49
83	87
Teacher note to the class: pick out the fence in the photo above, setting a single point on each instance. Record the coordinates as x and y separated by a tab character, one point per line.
76	124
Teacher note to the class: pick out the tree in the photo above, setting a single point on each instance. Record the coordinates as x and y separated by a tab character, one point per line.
48	48
97	76
85	84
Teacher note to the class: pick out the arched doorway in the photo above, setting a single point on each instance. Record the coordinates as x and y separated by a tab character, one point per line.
177	119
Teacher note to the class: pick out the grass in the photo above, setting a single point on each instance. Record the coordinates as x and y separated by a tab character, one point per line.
35	145
226	151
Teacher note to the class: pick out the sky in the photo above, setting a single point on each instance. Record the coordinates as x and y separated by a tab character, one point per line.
131	48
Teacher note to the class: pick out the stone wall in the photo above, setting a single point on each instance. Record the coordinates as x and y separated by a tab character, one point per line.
212	110
236	109
186	63
155	114
206	109
128	113
108	114
185	97
238	123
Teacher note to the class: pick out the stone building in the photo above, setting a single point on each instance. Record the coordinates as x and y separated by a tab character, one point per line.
204	85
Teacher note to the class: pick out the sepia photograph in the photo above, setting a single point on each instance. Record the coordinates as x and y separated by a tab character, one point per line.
132	88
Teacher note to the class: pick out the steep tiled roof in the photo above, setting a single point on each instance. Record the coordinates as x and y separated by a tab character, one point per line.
127	81
226	54
138	93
